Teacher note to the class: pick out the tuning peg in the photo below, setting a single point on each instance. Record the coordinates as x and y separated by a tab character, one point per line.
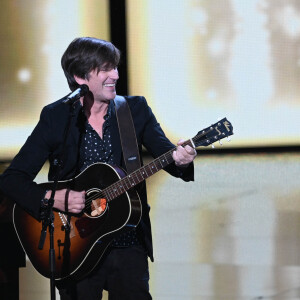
228	139
221	143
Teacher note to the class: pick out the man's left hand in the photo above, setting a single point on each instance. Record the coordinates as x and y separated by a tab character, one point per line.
183	156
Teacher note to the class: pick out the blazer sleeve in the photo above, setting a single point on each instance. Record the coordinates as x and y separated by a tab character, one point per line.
156	143
17	181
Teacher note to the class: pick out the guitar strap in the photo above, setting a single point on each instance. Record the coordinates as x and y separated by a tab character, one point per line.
127	135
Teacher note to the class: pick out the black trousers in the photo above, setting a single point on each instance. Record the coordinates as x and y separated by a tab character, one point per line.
123	273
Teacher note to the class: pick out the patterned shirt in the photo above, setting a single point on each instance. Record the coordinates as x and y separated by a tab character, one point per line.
100	150
95	148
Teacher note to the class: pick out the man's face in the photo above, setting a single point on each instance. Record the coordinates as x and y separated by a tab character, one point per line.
102	84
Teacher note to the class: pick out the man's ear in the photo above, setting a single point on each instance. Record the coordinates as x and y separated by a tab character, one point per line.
79	80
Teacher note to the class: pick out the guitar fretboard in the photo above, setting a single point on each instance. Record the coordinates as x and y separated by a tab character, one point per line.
207	136
131	180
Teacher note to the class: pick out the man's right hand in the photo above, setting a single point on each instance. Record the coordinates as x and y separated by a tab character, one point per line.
76	200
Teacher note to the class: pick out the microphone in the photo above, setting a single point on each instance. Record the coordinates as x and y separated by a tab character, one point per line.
74	96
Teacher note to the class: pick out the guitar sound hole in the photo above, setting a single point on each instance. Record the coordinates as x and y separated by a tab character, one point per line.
95	205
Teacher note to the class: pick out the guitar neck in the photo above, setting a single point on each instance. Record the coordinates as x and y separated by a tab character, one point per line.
205	137
131	180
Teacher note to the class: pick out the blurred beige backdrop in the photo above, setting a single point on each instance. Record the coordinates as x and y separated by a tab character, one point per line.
234	233
194	60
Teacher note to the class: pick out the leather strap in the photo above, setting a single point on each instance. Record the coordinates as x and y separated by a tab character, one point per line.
67	200
127	135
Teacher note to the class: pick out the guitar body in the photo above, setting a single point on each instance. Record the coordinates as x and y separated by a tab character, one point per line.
80	241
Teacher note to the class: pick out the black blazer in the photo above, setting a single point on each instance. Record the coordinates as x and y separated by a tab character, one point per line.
45	143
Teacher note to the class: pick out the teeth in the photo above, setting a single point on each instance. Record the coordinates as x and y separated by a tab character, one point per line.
109	84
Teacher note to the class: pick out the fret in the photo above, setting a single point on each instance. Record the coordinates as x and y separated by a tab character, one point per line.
121	187
161	163
116	192
132	183
164	162
119	190
137	179
134	179
156	165
144	173
127	181
113	192
168	159
152	168
135	174
138	173
107	194
141	177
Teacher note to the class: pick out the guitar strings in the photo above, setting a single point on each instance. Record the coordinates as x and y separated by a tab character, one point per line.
118	188
108	192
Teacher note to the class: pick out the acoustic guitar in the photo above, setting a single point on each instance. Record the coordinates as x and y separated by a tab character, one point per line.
112	207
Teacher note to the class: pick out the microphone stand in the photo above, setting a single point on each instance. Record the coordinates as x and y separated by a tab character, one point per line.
48	220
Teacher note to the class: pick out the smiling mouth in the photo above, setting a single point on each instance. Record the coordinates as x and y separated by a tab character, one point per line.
110	84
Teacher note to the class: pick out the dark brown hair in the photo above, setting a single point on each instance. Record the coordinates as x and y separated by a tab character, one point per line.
86	54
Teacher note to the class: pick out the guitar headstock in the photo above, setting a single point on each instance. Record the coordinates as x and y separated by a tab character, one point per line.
213	133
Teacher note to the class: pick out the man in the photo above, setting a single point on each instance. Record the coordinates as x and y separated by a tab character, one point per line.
94	137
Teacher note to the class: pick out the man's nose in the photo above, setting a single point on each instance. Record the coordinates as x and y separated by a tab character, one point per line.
114	73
